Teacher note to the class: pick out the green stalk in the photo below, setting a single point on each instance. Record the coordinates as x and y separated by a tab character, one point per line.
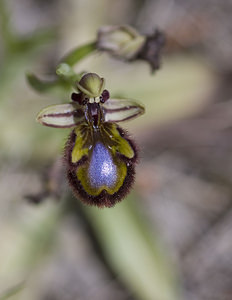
79	53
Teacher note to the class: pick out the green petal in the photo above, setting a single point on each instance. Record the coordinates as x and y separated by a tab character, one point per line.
118	110
61	115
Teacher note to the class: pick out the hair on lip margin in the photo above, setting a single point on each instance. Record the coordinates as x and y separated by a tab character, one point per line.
103	199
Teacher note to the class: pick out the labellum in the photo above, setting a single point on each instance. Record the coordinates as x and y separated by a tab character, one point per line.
99	155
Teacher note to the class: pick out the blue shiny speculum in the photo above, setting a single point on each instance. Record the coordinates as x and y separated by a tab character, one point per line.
102	170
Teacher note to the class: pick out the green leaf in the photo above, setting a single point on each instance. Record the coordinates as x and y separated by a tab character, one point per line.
7	36
79	53
12	291
135	253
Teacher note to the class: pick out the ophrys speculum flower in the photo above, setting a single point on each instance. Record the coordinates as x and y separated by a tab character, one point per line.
99	155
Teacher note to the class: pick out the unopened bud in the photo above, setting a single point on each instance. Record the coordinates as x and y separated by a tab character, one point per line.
122	41
126	43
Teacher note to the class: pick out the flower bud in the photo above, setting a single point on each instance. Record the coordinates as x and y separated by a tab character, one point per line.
122	41
126	43
91	85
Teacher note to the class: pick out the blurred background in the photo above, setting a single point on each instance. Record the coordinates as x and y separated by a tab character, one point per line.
171	238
